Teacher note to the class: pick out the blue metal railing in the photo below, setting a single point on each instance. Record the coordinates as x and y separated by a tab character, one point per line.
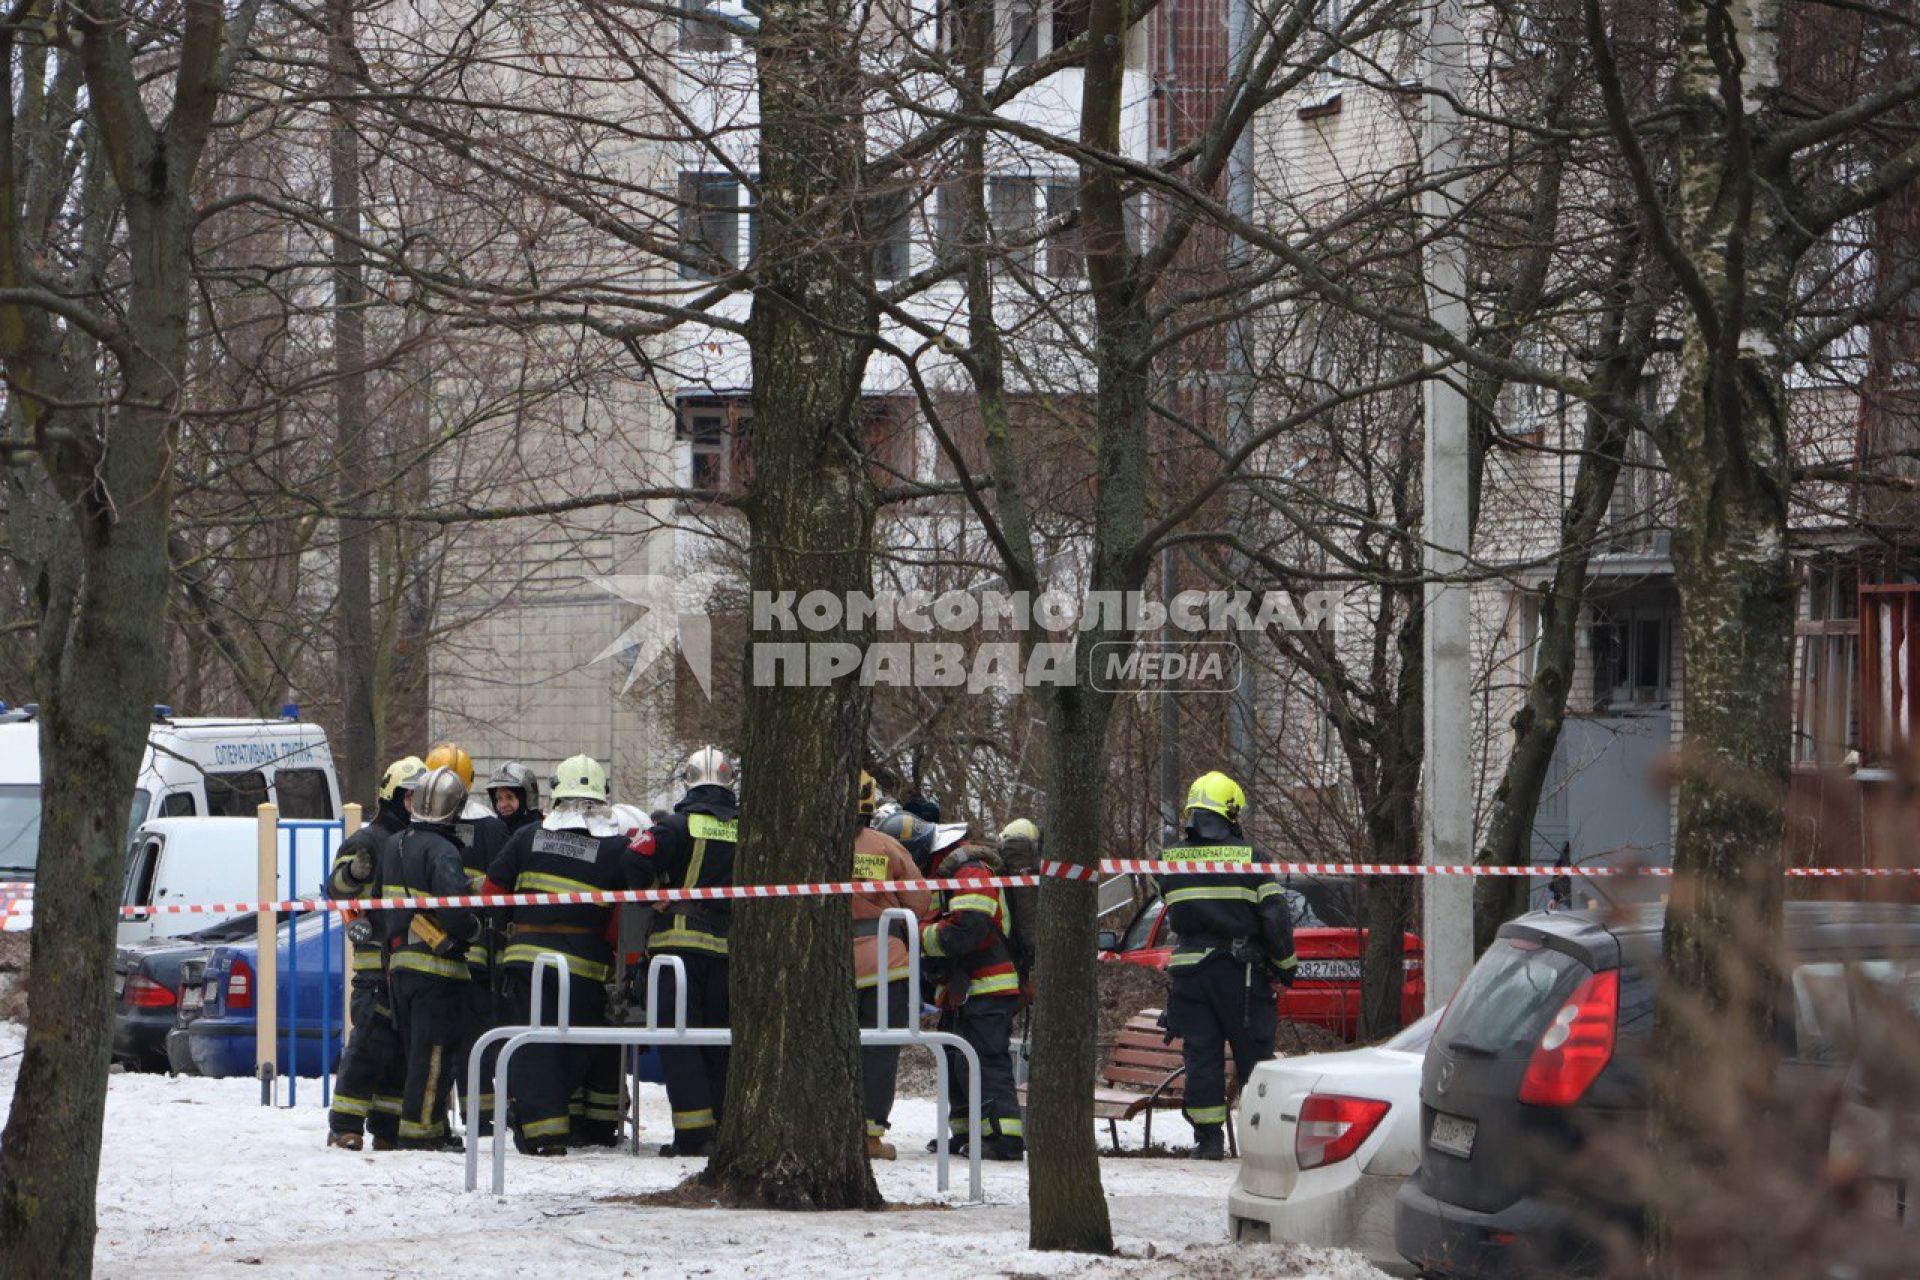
331	833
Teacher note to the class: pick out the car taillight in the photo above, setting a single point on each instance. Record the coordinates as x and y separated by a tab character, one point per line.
1577	1044
1332	1127
240	985
144	993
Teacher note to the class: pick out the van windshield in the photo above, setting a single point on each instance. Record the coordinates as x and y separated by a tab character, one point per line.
20	825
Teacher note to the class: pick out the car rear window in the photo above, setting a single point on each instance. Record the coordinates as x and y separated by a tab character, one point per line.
1507	999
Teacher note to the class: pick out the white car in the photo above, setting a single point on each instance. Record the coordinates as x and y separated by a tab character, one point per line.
1325	1141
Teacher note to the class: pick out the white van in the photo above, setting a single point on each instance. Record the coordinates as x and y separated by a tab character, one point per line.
201	860
193	768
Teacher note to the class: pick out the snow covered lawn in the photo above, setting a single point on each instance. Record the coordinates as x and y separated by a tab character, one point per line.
197	1179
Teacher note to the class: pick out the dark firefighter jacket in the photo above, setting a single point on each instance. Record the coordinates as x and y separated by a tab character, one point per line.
1208	911
692	848
562	860
377	838
425	862
971	932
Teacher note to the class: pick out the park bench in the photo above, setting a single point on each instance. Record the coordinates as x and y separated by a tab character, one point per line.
1145	1073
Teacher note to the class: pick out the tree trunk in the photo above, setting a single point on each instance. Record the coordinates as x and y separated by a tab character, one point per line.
100	672
353	610
1536	725
793	1135
1067	1208
1735	579
1394	826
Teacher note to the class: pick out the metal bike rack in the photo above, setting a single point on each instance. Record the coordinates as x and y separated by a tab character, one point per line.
681	1036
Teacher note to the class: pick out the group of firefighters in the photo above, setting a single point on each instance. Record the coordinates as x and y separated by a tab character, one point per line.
428	983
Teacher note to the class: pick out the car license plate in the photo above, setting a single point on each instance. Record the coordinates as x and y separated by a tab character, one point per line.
191	999
119	985
1452	1135
1328	970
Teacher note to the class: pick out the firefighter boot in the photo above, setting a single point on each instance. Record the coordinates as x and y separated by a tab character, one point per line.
346	1141
878	1148
1209	1142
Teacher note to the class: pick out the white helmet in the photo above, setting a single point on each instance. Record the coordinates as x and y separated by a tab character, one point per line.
709	766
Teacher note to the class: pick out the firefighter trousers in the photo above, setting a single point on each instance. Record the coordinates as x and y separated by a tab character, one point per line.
373	1070
880	1064
986	1023
696	1078
1216	1005
430	1011
560	1092
480	1012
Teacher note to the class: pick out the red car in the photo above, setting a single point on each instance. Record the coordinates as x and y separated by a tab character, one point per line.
1326	990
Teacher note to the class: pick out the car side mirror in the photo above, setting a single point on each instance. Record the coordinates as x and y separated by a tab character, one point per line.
1109	940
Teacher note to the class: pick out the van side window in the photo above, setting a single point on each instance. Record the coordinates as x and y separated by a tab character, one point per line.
235	795
302	793
179	804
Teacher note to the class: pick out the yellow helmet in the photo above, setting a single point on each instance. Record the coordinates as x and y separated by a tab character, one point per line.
869	796
580	778
444	755
1020	829
403	774
1217	793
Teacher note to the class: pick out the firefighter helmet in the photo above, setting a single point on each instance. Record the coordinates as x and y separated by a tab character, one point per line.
709	767
867	799
439	796
1020	829
1217	793
444	755
514	776
403	774
580	778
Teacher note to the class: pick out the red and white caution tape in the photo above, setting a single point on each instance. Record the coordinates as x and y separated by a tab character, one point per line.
16	901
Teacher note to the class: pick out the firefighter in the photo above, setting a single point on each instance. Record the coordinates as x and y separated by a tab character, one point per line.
481	836
979	994
426	965
1020	856
578	847
910	830
515	794
373	1070
880	857
1235	939
693	847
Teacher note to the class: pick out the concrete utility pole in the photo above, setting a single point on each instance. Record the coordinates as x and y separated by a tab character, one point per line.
1447	812
1242	713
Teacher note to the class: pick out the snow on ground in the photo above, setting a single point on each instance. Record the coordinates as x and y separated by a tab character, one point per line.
197	1179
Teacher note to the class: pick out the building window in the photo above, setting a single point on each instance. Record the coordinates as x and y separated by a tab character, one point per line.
1011	206
1333	16
1066	248
1022	23
1069	21
888	229
1826	701
715	433
1030	30
1632	655
710	224
698	34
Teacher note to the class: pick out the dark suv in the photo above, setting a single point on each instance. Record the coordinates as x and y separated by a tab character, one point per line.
1544	1046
